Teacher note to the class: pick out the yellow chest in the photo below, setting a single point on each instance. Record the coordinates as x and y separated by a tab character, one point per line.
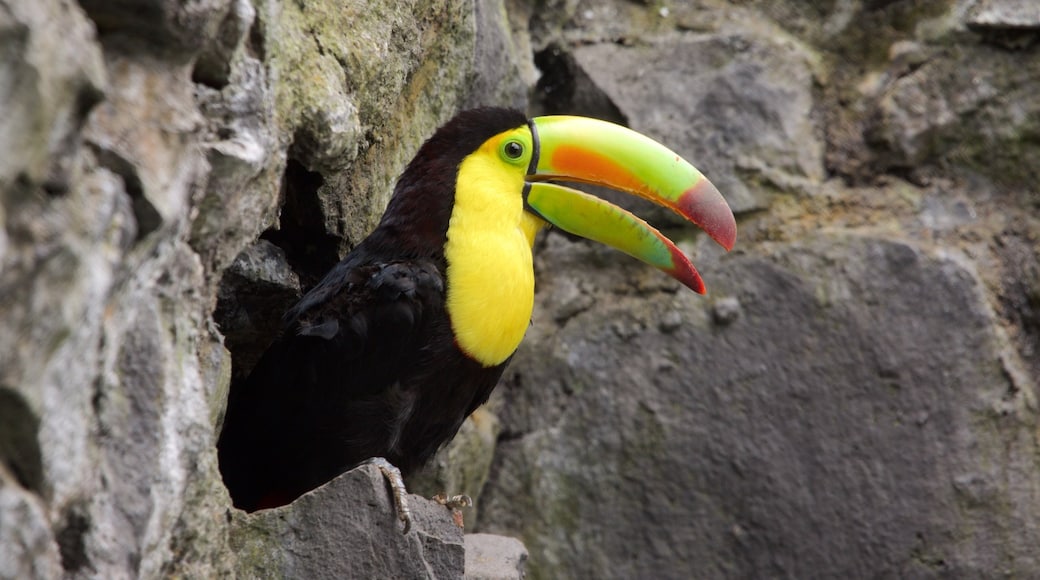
490	293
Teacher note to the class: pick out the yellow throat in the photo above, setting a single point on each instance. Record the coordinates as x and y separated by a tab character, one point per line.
488	251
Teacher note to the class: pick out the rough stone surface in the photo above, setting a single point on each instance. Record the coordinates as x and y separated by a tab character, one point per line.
800	439
500	60
970	105
48	89
1005	14
143	149
27	547
738	102
257	286
348	528
175	30
361	85
490	557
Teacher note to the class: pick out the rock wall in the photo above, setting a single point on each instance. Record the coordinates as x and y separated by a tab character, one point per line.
855	397
145	145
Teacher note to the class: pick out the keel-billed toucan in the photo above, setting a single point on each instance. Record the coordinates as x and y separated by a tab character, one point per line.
405	337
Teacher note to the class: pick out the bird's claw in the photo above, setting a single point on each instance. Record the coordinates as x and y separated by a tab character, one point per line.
455	503
397	488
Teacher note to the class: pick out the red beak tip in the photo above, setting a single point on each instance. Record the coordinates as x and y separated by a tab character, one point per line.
684	272
726	235
706	207
693	282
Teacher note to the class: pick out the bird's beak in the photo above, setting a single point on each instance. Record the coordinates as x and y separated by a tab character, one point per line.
579	149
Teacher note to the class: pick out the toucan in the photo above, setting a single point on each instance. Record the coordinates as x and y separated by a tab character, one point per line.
404	338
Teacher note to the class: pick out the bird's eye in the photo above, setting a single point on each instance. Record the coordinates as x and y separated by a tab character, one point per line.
513	150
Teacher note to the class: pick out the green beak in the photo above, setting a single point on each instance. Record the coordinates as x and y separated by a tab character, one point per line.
579	149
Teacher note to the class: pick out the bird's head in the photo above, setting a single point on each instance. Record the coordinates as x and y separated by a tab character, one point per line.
511	169
479	190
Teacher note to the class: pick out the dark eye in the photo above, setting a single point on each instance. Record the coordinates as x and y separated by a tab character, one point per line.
513	150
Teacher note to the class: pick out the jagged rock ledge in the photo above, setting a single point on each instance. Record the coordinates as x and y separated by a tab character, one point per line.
348	529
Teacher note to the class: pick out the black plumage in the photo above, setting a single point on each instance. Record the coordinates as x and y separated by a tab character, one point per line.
366	364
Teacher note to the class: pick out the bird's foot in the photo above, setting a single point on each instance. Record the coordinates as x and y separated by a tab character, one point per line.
455	503
400	494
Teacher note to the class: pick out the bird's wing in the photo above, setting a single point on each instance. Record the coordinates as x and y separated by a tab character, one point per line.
354	333
345	346
358	307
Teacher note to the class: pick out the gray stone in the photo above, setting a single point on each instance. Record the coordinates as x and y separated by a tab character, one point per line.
364	103
214	64
498	60
130	181
581	22
27	546
51	75
246	161
1019	295
348	528
257	287
1005	14
171	29
804	438
491	557
738	105
103	311
979	108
